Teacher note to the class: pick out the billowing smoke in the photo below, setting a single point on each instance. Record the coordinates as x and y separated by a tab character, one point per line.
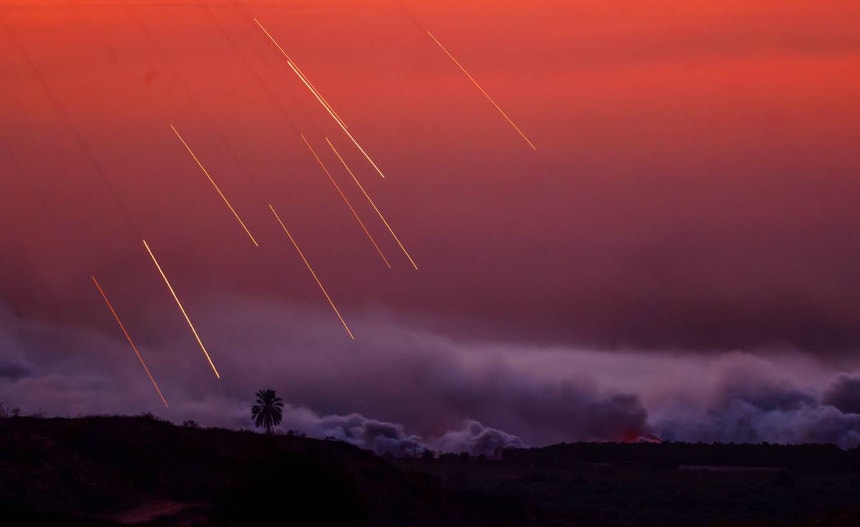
555	410
391	438
748	407
844	394
379	436
476	439
393	391
403	391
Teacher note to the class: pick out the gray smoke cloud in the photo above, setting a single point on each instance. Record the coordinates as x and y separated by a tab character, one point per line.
751	407
844	394
476	439
391	438
399	390
395	390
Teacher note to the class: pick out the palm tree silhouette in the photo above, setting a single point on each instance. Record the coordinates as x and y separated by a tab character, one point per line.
268	411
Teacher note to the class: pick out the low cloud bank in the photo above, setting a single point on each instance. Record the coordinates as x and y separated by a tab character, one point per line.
401	391
391	438
752	408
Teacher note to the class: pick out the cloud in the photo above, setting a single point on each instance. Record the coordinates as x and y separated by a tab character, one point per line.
13	371
391	438
844	394
409	384
547	410
379	436
398	389
748	407
476	439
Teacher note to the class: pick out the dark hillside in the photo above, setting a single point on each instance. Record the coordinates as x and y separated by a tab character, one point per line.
102	471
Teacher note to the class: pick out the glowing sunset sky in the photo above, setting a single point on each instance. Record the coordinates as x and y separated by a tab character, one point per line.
693	197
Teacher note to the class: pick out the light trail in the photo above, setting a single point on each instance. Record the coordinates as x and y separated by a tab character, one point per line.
182	309
487	95
319	98
130	341
331	303
346	200
223	197
372	204
324	101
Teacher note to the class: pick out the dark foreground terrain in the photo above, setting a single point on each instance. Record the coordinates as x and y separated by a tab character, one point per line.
108	471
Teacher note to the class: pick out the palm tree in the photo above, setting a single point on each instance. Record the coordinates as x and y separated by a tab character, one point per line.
268	411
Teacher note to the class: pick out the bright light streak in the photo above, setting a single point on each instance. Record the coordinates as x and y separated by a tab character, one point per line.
223	197
323	99
319	98
331	303
346	200
130	341
487	95
402	248
182	309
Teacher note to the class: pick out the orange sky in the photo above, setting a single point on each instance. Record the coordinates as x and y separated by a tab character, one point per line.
694	159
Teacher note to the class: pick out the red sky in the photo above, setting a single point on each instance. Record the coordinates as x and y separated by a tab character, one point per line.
676	257
694	186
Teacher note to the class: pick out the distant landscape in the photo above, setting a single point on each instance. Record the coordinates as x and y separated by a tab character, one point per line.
429	263
141	470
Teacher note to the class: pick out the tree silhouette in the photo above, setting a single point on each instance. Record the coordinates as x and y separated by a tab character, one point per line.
268	411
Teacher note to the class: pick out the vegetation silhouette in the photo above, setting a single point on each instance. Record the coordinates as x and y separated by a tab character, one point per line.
95	471
268	411
295	484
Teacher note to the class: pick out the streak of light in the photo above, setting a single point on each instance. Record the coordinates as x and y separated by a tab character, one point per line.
243	12
372	204
182	309
324	101
130	341
296	245
223	197
304	78
487	95
131	11
319	98
346	200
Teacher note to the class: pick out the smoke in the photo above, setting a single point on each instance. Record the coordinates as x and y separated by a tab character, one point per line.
844	394
752	407
413	387
402	391
391	438
554	410
379	436
476	439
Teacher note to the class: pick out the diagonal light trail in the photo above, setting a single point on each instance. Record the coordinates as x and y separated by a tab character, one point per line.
372	204
223	197
296	245
130	341
346	200
182	309
487	95
316	91
304	78
319	98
